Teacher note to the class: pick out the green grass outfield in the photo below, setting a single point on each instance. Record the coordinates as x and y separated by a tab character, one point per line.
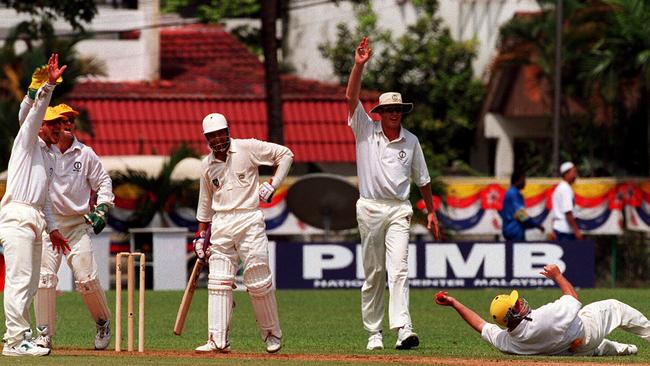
318	322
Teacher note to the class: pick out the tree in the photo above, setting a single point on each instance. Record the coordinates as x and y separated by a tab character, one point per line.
157	194
617	72
43	12
429	68
40	41
606	136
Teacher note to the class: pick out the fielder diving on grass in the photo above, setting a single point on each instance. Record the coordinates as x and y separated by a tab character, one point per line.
563	327
229	198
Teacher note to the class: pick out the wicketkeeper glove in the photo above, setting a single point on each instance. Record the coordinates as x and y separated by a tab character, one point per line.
39	77
97	217
201	246
266	192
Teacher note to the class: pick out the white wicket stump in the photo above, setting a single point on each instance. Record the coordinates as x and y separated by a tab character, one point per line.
130	292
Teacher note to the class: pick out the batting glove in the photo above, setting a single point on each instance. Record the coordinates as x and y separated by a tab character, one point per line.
200	245
39	77
266	192
97	218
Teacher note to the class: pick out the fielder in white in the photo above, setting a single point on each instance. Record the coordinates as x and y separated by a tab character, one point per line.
562	328
78	172
25	213
229	199
388	156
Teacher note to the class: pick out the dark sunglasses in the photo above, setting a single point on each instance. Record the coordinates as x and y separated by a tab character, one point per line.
392	109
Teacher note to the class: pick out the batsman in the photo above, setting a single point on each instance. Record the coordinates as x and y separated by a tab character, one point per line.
229	199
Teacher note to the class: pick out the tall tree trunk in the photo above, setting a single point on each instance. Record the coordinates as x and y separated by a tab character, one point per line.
272	73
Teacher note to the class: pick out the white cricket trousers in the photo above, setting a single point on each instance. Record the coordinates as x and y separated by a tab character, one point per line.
80	257
21	228
384	227
601	318
240	234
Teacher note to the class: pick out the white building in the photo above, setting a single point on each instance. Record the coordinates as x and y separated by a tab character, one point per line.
126	40
310	26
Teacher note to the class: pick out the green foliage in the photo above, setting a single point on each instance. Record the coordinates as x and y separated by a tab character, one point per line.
605	71
43	12
212	11
429	68
159	192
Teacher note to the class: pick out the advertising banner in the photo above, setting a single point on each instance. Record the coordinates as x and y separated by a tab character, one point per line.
439	265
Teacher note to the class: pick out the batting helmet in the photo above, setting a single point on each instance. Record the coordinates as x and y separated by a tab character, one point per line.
214	122
501	306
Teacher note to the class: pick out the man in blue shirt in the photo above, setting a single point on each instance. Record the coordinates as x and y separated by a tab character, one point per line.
514	216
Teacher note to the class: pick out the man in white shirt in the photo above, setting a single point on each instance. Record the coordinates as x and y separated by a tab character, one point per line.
388	157
22	219
562	327
78	173
229	200
565	226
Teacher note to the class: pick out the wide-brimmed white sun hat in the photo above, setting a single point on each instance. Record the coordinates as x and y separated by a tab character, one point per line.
391	99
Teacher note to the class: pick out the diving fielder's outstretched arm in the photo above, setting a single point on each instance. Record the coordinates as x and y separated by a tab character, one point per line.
473	319
553	272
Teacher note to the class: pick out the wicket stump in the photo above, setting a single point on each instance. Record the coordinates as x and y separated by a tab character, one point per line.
130	293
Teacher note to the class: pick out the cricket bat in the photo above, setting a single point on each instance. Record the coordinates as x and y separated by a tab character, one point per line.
187	297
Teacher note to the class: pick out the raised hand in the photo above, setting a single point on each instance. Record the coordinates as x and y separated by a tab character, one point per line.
54	72
363	52
551	271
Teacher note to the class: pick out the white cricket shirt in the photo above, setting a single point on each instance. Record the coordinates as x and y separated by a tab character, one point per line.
28	170
384	167
78	171
563	201
233	184
551	331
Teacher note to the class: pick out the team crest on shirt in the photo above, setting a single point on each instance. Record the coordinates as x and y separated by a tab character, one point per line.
401	155
76	167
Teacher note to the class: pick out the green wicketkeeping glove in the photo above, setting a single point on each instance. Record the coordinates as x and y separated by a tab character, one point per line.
39	77
97	218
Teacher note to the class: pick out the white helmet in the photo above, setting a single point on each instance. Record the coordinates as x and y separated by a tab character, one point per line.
214	122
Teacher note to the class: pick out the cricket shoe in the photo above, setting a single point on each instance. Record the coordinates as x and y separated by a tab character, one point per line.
406	338
375	341
211	347
273	343
43	340
103	335
25	348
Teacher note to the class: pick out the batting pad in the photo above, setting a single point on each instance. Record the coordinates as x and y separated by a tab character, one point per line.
45	310
258	281
95	299
220	299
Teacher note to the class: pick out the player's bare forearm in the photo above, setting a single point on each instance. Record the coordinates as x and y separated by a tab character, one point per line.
432	221
553	272
354	87
473	319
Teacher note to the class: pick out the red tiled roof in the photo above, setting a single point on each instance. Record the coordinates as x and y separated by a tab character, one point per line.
203	70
